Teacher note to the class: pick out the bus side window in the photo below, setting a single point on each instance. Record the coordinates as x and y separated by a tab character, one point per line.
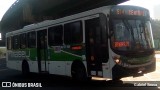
31	37
55	35
9	44
15	42
23	41
73	33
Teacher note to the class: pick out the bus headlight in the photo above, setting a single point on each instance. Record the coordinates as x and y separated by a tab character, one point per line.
117	59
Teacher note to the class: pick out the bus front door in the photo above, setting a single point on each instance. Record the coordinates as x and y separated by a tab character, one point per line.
96	45
42	50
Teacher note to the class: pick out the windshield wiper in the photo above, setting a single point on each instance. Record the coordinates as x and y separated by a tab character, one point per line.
129	28
139	35
144	32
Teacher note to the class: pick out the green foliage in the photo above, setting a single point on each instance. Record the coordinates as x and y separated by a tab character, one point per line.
156	33
156	28
2	52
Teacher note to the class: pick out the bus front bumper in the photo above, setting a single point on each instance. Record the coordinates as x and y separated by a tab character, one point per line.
120	71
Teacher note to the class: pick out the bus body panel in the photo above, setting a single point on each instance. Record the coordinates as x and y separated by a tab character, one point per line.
58	59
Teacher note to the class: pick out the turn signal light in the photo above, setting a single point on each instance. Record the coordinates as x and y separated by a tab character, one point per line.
117	59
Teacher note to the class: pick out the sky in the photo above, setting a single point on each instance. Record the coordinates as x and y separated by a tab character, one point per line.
4	6
149	4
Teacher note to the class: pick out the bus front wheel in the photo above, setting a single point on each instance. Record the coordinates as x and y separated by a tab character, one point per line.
78	71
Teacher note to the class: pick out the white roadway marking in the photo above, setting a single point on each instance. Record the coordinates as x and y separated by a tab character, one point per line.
148	77
3	69
157	72
157	55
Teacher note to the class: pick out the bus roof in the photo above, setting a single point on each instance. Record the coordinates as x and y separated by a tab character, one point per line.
49	23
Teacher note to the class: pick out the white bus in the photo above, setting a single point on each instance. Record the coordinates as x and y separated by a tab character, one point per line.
108	42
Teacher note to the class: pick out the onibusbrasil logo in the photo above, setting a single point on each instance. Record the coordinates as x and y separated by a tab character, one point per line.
14	84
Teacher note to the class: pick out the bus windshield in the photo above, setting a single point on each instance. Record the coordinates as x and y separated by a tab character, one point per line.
132	34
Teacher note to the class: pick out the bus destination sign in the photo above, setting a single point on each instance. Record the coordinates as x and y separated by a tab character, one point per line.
129	11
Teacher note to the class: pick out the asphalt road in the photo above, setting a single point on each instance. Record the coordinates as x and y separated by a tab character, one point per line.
60	82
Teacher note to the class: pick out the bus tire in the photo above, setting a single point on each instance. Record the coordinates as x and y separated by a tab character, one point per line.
78	71
25	69
116	73
116	78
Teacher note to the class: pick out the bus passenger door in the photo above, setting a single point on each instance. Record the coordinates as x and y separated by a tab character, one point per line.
42	50
96	46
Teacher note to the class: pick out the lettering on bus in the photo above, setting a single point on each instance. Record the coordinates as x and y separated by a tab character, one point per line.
121	44
130	12
57	49
136	12
18	54
120	12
